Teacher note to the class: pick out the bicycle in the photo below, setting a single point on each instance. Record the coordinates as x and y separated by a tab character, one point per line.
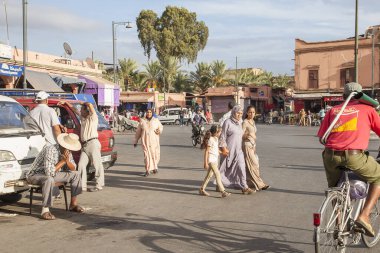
335	227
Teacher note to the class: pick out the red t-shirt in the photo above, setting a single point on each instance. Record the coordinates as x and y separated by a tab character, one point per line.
352	130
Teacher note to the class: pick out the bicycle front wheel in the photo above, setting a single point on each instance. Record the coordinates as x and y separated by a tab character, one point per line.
375	222
327	236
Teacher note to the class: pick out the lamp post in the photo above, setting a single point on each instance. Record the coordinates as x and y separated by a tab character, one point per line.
114	24
356	43
25	40
373	64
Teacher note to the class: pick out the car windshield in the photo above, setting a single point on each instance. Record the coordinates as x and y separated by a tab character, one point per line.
102	123
15	119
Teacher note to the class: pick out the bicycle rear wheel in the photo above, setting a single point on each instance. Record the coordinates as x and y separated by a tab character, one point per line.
375	222
326	236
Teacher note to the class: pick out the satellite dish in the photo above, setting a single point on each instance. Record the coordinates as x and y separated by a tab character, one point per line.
67	48
90	62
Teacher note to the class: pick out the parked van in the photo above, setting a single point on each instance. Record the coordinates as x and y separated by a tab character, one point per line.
171	115
71	121
20	142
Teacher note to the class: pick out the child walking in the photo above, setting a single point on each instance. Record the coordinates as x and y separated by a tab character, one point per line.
211	146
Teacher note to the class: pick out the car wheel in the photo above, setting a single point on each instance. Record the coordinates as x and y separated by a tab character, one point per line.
176	122
194	141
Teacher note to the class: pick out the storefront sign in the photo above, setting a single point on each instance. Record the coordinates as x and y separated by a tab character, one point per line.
5	51
161	97
335	98
10	70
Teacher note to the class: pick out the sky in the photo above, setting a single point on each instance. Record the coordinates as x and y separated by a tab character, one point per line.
260	33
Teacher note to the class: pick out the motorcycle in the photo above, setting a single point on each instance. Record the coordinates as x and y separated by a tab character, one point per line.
198	134
127	124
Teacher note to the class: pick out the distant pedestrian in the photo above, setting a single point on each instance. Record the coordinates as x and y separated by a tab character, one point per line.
270	117
149	130
281	116
322	114
302	118
309	118
181	116
211	157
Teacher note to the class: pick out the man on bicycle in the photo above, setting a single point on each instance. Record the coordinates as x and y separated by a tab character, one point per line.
346	145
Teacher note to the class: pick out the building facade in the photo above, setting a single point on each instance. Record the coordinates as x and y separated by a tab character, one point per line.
322	68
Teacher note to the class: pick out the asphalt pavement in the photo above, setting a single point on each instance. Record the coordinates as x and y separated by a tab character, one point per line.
164	213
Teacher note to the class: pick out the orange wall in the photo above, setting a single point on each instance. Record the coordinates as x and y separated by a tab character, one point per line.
331	57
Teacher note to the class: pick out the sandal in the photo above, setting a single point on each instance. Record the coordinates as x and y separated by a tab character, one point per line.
203	192
76	209
225	194
247	191
146	174
47	216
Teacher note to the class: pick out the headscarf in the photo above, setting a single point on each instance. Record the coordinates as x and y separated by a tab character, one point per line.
147	114
234	110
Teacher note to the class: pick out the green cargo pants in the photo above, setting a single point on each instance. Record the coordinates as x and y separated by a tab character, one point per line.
361	164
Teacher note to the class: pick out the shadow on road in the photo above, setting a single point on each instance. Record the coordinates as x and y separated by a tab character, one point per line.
164	235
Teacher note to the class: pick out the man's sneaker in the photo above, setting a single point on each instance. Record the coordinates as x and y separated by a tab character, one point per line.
225	194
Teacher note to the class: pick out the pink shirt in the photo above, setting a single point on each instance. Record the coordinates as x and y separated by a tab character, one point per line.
352	130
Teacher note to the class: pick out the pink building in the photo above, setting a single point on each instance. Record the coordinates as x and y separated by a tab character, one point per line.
322	69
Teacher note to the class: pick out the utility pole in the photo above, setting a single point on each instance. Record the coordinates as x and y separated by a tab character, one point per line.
236	81
356	42
25	40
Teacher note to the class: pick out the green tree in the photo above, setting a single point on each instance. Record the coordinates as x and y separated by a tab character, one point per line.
266	78
201	77
182	83
282	81
153	73
139	82
170	68
177	33
218	73
128	70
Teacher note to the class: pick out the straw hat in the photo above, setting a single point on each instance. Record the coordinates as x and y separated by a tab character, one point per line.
69	141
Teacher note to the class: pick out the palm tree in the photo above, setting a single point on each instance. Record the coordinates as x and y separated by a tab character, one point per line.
139	82
153	73
266	78
282	81
201	77
128	69
169	69
182	82
218	72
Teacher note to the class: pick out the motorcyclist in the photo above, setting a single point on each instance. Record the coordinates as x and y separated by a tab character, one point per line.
198	121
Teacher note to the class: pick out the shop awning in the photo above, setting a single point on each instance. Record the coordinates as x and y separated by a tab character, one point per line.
108	92
136	99
60	80
41	81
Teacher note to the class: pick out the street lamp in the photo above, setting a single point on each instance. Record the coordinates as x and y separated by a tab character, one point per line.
24	35
114	24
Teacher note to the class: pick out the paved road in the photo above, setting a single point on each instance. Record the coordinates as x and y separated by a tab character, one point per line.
163	213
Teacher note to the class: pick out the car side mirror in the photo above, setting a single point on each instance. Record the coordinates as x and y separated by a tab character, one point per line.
70	124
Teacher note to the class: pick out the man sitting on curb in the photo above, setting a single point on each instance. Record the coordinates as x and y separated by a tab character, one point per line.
55	164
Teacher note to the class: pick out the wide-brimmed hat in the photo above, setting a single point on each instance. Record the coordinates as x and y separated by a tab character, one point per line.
42	95
69	141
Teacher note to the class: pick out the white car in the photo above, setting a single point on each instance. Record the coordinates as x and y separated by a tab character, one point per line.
20	142
171	116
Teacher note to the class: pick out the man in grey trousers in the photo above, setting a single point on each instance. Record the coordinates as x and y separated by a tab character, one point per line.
90	145
55	164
